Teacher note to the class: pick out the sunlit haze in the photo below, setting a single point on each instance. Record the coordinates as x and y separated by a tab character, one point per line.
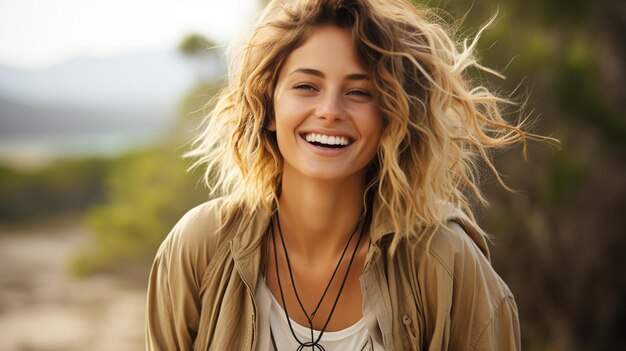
36	34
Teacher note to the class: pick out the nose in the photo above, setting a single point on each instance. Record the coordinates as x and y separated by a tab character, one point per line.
330	107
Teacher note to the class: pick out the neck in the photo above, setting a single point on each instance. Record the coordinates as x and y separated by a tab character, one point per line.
317	217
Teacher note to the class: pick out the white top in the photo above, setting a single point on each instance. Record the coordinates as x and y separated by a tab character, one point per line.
355	337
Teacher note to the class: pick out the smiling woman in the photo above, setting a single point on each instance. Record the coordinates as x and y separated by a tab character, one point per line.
319	101
344	150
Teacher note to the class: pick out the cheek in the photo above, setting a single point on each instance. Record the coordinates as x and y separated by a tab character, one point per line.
374	123
286	114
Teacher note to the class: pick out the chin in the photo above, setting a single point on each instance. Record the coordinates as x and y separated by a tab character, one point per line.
332	174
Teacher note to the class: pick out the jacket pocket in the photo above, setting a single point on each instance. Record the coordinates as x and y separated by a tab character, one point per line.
410	332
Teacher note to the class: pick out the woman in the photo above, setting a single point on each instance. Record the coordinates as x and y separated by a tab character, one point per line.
345	146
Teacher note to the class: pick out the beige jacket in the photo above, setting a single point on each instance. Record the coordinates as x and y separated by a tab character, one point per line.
201	294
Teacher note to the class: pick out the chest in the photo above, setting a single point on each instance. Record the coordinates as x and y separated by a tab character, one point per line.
322	296
234	315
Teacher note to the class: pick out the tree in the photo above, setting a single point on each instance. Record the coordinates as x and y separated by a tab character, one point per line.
147	192
557	242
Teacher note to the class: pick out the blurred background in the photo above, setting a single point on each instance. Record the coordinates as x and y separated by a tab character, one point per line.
98	100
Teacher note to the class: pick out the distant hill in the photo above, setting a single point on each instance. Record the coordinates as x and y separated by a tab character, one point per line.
152	78
95	105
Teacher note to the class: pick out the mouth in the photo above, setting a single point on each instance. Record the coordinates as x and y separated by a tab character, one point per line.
327	141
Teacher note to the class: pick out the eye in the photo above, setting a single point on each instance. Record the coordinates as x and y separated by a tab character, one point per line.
305	86
360	93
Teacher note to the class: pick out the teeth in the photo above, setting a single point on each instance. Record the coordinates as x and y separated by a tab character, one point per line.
326	139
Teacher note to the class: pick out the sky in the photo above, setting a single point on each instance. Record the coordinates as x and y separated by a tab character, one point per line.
40	33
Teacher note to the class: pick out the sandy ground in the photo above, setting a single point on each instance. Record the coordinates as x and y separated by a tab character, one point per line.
42	308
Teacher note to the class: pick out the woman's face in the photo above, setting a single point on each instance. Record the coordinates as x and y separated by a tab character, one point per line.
326	121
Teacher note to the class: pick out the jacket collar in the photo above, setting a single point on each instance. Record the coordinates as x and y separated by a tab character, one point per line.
382	226
381	222
249	235
251	232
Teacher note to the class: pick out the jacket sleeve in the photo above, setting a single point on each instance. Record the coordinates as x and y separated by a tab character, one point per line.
501	331
471	308
174	299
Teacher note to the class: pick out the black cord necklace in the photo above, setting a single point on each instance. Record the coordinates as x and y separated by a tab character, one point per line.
313	344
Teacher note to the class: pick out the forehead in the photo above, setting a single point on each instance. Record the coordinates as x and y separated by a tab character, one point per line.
329	49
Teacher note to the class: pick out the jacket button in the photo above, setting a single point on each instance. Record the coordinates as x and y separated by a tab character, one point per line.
406	320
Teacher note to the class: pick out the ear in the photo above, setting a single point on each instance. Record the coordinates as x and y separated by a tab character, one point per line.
271	125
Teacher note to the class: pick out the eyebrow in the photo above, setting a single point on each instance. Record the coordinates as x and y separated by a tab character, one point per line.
314	72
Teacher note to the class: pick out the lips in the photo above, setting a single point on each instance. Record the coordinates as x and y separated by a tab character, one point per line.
327	141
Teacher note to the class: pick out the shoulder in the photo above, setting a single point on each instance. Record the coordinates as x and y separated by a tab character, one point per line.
199	231
452	244
458	254
457	244
459	290
201	221
489	317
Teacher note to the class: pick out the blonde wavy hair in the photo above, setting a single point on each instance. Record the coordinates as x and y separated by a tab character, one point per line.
438	127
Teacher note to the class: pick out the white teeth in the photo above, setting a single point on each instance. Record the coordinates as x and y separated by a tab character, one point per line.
326	139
